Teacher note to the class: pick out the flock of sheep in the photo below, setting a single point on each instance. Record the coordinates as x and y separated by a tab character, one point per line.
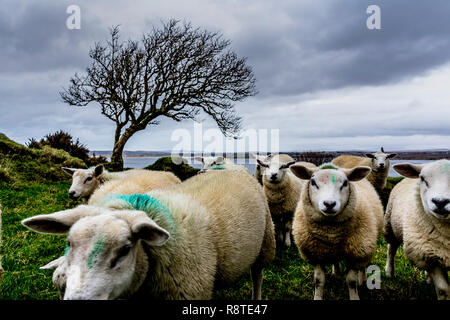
146	233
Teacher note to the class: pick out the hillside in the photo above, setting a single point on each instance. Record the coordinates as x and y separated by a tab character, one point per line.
19	164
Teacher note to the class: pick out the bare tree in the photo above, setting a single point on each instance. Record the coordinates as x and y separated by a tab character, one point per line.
176	71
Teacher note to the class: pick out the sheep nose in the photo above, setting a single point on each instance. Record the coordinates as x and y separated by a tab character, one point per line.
72	194
381	165
273	176
440	203
329	204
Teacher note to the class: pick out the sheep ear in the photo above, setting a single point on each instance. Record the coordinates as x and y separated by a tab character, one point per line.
199	159
391	155
150	232
98	170
287	165
52	265
408	170
59	222
262	163
370	155
69	171
302	172
357	173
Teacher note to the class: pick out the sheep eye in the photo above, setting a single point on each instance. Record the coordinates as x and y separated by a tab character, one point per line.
423	180
120	254
88	179
344	184
314	184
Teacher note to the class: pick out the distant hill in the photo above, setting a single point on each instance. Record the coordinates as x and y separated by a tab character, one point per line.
402	155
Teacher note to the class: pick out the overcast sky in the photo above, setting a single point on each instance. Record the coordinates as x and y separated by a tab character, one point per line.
324	79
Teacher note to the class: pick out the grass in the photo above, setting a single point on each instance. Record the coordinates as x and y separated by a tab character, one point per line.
288	277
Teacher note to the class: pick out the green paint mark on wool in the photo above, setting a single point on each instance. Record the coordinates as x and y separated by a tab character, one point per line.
329	165
98	247
217	167
66	250
333	179
446	167
152	206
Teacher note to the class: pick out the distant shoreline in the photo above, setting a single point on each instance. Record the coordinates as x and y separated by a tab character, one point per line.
405	155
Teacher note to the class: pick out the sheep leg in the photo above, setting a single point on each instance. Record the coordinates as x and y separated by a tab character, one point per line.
319	282
390	263
440	283
428	278
287	233
335	269
352	283
362	277
257	279
266	255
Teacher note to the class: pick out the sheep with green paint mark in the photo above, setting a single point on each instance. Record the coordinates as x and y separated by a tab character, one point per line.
418	215
379	162
139	182
174	243
338	218
219	163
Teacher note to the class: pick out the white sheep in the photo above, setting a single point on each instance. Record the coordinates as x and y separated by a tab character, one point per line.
259	171
176	243
86	181
338	218
144	182
219	163
379	163
282	190
418	215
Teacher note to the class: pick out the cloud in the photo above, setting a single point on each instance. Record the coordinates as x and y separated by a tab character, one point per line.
325	80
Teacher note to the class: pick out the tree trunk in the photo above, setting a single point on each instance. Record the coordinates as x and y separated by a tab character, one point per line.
119	145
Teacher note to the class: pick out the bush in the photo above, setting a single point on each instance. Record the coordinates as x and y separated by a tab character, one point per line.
96	160
63	141
182	171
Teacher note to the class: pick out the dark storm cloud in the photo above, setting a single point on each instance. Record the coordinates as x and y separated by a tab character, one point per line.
299	50
329	46
35	38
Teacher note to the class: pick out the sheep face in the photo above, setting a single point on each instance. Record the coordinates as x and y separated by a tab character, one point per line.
103	248
211	162
84	181
329	188
274	170
380	160
434	185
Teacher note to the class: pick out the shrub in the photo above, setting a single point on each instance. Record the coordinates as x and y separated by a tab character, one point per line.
96	160
63	141
182	171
